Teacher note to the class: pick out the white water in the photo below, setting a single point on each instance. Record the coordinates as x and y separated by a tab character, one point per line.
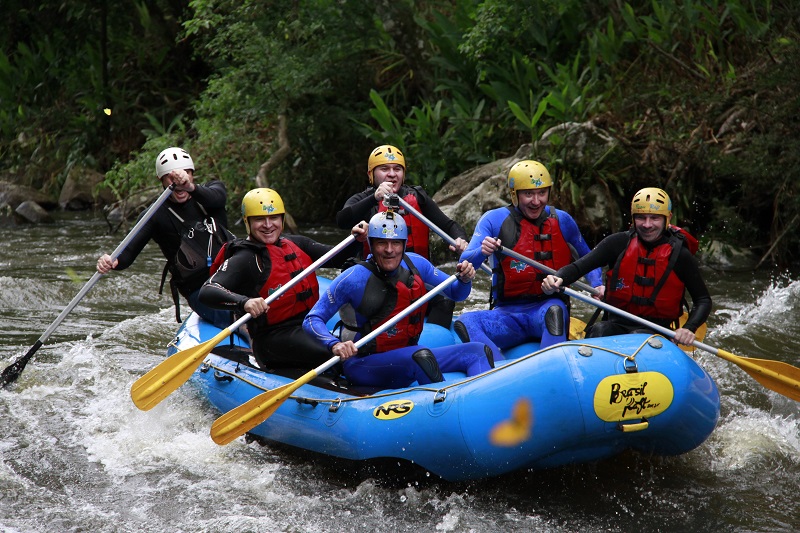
76	454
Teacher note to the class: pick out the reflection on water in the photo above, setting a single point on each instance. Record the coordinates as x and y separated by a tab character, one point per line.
77	455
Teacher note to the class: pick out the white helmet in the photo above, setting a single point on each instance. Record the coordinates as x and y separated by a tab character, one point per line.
173	159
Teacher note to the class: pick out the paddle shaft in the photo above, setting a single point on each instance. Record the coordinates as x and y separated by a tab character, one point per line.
242	419
543	268
436	229
12	372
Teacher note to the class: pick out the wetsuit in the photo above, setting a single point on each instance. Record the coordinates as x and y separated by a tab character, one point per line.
532	315
245	274
354	290
181	231
607	253
362	206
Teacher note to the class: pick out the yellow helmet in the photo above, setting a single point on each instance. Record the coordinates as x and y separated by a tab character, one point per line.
652	200
526	175
384	155
260	203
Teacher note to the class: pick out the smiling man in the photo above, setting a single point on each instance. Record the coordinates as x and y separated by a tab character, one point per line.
519	310
248	270
373	292
650	267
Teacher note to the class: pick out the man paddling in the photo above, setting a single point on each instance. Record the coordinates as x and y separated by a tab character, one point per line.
386	171
650	267
190	228
248	270
374	291
520	311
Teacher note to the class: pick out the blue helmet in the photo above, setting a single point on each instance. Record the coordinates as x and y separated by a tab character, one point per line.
387	225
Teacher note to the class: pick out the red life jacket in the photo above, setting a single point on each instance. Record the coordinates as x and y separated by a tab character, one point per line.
418	232
545	245
282	261
643	282
384	298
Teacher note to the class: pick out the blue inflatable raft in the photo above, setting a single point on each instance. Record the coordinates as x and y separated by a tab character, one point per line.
574	402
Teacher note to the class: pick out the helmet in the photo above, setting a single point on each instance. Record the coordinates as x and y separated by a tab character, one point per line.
526	175
387	225
260	203
651	200
384	155
173	159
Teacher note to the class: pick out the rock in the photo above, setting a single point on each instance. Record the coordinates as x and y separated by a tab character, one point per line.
30	211
13	195
723	256
80	190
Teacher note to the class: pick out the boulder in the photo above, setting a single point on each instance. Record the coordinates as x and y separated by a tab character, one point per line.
30	211
12	194
723	256
80	190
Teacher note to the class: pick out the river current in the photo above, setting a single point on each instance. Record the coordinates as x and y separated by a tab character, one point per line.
77	455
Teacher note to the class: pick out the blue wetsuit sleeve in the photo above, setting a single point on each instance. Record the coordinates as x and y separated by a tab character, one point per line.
432	276
572	234
348	287
488	226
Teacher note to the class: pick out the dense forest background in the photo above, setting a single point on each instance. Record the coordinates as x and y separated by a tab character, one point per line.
701	97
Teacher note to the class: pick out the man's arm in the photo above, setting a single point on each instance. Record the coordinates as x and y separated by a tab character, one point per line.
687	269
358	207
211	195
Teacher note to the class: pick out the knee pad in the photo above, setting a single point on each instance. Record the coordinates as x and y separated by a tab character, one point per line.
428	363
554	320
461	331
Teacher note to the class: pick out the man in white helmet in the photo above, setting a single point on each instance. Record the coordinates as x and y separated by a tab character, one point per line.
190	228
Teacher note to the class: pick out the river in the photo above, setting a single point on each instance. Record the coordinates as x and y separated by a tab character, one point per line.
78	456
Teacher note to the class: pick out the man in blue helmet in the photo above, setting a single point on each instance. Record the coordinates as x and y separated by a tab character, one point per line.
374	291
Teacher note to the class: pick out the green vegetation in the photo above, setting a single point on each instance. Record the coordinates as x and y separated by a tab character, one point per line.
699	96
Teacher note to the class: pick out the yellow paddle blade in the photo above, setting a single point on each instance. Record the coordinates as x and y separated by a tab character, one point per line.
777	376
577	328
513	432
242	419
171	373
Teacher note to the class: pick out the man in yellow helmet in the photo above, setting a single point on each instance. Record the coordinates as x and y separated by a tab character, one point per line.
521	311
650	267
386	171
248	270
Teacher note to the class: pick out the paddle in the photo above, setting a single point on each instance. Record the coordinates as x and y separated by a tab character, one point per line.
242	419
777	376
173	372
12	372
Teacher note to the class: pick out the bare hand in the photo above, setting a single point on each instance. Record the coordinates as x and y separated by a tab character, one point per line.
600	291
344	350
182	180
105	264
459	246
551	284
683	336
383	190
256	306
360	231
466	271
489	246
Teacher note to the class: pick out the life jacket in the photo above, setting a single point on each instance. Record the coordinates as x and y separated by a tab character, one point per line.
384	298
544	244
643	281
277	264
418	232
200	241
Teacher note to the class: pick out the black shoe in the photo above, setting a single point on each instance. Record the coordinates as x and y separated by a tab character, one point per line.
461	331
489	355
427	361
